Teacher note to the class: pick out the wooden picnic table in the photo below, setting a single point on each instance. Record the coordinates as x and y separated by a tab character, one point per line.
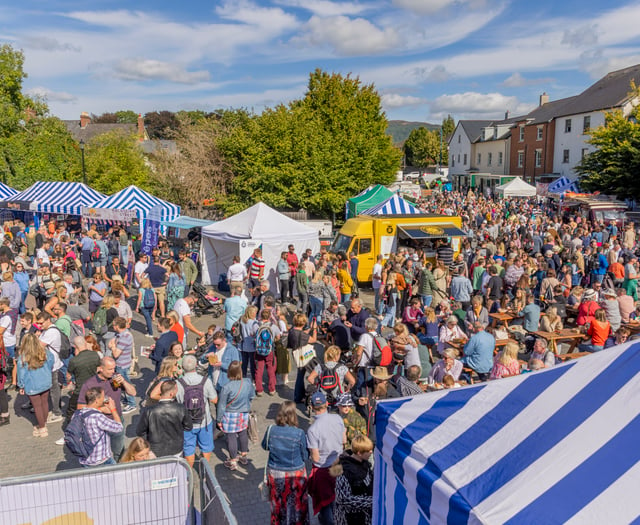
574	355
633	326
503	318
566	334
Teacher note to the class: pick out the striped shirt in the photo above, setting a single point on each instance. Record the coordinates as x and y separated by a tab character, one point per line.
257	268
99	426
124	341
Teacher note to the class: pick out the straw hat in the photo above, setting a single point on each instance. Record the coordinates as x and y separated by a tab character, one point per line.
589	295
381	372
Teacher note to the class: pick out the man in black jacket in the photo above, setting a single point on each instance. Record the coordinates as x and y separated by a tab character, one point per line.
164	423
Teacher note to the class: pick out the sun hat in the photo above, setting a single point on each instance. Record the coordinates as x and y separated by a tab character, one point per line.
589	295
345	400
381	372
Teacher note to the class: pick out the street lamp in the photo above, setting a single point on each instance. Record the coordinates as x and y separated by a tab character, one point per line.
84	171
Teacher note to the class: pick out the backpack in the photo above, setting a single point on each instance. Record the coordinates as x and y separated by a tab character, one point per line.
148	299
100	321
548	295
76	435
194	400
65	344
236	332
77	329
382	354
329	380
95	253
264	341
114	247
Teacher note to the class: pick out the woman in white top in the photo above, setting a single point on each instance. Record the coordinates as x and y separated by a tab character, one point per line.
448	332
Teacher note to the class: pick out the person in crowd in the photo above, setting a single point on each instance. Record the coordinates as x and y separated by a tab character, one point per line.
448	365
530	315
182	308
163	343
121	347
284	275
326	438
450	332
300	337
168	370
506	362
200	389
588	307
97	290
286	471
234	308
266	337
51	338
336	376
477	313
249	328
354	483
233	409
551	322
354	423
102	422
35	365
165	423
542	353
598	331
612	308
138	450
478	351
147	304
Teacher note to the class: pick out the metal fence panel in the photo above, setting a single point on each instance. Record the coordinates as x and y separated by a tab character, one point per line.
155	492
214	507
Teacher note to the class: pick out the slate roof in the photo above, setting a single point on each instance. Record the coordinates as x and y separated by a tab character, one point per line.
547	112
611	91
94	129
473	128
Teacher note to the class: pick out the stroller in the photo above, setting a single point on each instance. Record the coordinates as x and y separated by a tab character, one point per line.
206	302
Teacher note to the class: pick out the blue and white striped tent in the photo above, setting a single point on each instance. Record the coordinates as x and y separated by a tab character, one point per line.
6	191
562	185
554	446
133	198
394	205
56	197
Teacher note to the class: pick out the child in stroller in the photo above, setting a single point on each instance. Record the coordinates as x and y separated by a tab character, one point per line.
206	301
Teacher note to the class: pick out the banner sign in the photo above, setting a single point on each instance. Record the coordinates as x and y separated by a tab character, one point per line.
246	248
542	188
104	214
151	230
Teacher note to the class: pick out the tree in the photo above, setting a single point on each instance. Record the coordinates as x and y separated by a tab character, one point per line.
105	118
614	166
448	127
422	148
161	124
114	161
313	153
126	116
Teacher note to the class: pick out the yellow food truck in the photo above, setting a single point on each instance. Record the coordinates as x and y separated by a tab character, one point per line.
368	236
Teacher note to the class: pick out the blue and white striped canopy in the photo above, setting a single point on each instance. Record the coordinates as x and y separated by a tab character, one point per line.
562	185
57	197
394	205
133	198
554	446
6	191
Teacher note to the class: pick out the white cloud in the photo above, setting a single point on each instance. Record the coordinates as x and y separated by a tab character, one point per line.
424	7
482	105
257	16
350	36
435	74
394	100
45	43
584	36
138	69
326	7
517	80
51	96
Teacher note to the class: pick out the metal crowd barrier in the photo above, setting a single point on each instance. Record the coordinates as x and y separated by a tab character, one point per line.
214	507
154	492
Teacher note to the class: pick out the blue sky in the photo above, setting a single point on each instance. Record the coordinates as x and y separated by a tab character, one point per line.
427	58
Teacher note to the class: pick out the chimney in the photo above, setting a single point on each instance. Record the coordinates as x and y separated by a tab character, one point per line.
506	115
85	120
29	114
544	98
141	134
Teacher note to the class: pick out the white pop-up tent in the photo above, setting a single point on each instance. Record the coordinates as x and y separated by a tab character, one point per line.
554	446
516	188
257	226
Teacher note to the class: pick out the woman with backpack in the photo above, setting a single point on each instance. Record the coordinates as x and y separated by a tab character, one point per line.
249	327
147	304
234	405
175	286
333	378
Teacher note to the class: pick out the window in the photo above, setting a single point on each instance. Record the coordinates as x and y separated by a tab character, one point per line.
565	156
522	133
459	137
479	159
539	135
586	124
567	125
489	159
453	161
584	153
500	158
465	159
365	246
458	158
538	158
520	159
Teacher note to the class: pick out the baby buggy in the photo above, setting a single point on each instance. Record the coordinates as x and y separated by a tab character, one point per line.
207	302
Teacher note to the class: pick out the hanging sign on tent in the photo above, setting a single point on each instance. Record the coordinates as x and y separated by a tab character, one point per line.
151	230
104	214
246	247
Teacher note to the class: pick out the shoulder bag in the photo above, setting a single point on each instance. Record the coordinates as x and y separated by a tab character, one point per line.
263	488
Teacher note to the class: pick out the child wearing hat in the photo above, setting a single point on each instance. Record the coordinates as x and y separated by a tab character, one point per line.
354	423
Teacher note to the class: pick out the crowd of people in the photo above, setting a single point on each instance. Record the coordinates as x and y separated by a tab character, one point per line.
68	298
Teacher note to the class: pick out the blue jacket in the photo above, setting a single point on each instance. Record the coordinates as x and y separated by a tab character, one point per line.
461	289
22	278
287	448
38	380
478	352
230	354
235	397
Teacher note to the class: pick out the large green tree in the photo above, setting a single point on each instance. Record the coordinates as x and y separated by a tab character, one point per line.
614	167
448	127
422	148
313	153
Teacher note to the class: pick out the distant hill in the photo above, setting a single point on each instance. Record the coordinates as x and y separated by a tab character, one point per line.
400	129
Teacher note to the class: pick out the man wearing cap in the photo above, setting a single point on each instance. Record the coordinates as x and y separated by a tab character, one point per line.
326	438
354	423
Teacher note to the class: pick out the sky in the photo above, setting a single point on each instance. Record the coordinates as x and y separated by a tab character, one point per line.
427	58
